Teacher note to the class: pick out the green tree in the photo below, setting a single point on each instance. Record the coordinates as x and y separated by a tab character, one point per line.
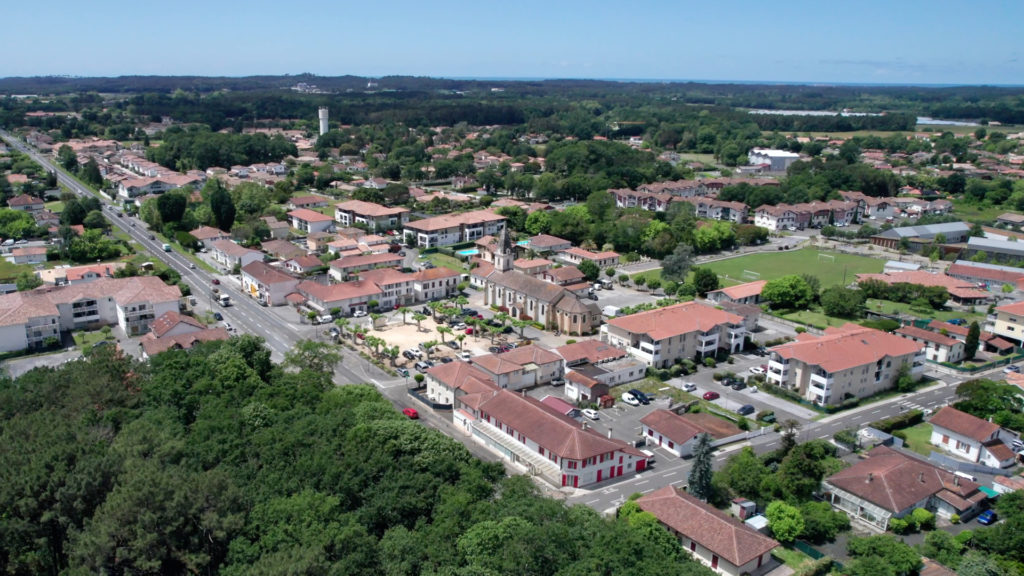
971	342
318	357
27	280
67	158
977	563
589	269
90	173
171	206
821	522
677	265
788	293
704	280
882	555
96	220
842	302
700	478
222	206
744	473
785	521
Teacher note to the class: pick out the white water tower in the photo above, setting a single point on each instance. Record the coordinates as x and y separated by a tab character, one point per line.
323	120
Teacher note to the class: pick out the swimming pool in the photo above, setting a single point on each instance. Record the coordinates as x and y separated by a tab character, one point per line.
468	252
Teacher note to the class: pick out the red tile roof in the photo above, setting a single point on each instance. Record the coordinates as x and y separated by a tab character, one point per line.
370	209
846	347
153	346
726	537
531	354
741	291
926	335
593	351
955	286
167	321
675	320
309	215
896	481
964	424
556	433
265	274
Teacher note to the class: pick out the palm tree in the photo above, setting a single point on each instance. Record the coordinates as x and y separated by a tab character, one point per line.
434	306
392	353
429	347
404	310
342	323
419	318
373	319
502	317
520	324
460	338
461	301
442	330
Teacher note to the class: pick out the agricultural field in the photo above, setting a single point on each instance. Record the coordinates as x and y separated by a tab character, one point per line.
832	268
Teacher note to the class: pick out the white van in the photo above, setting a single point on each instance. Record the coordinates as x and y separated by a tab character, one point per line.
965	476
649	455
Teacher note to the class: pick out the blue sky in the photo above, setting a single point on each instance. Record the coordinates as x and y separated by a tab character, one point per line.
897	41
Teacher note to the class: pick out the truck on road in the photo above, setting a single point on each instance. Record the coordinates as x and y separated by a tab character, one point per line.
224	300
167	247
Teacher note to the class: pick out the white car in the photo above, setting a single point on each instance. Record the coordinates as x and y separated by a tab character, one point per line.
590	413
630	399
465	355
359	313
689	387
757	370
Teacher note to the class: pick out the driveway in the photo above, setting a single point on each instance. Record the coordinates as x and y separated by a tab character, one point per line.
19	366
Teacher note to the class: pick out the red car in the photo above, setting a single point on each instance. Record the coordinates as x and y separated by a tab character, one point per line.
469	331
711	395
411	413
216	281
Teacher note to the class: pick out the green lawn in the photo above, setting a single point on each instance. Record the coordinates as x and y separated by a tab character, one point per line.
56	206
9	271
770	265
974	213
86	340
888	307
792	557
815	318
445	261
918	438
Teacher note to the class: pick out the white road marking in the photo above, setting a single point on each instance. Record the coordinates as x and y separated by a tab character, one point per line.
592	501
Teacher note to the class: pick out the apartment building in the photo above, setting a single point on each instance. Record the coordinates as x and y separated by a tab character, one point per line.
449	229
374	216
846	362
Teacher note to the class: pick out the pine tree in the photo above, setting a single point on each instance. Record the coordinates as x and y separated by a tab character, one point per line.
971	342
700	474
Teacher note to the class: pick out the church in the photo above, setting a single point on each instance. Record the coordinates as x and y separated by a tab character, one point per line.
526	297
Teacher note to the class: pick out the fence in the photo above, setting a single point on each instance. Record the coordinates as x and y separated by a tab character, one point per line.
418	393
954	464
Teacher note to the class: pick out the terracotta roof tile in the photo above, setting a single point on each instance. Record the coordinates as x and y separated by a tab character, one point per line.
964	424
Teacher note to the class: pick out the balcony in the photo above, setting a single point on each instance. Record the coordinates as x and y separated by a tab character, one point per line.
818	394
778	367
822	380
647	354
708	343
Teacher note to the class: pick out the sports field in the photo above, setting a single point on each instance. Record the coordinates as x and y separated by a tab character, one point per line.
833	268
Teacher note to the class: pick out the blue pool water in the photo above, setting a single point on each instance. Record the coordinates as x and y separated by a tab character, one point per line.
468	252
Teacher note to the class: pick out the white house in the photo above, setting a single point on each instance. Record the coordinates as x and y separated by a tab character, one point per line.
971	438
228	254
449	229
937	347
310	221
724	544
266	284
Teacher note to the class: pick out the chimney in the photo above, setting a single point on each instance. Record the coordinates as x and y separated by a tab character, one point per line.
920	477
871	475
583	425
956	481
609	433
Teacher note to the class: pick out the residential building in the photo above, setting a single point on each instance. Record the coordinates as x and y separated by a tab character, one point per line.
724	544
749	293
682	331
533	266
28	319
540	366
846	362
78	274
26	203
303	264
988	341
28	255
309	202
278	230
1009	322
1010	219
349	265
582	388
715	209
650	201
347	297
889	484
937	347
446	382
567	276
396	288
228	254
309	221
207	234
679	433
451	229
545	244
282	249
374	216
435	284
527	432
151	345
775	218
603	260
971	438
266	284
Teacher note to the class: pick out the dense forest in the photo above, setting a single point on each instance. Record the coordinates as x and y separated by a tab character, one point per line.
216	461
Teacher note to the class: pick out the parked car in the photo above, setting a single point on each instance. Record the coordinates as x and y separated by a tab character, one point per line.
453	344
359	313
218	316
466	355
445	359
745	410
711	395
1011	368
758	370
422	366
987	517
739	385
768	418
590	413
958	322
689	386
414	353
643	398
402	372
630	399
469	331
409	355
557	381
411	413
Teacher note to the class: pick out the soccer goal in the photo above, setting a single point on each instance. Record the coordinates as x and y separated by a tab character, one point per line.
751	275
830	258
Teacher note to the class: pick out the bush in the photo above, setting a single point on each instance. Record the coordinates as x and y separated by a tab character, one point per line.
922	519
710	362
570	341
847	438
800	329
954	519
899	526
819	567
905	420
717	376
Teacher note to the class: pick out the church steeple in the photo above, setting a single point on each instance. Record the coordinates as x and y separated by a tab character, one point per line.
505	254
